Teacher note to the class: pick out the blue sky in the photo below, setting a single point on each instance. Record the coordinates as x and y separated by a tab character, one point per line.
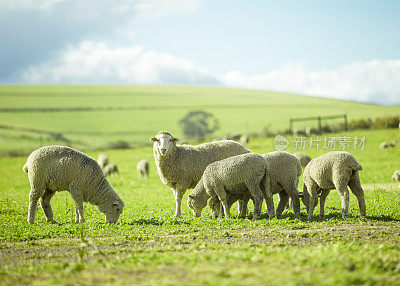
340	49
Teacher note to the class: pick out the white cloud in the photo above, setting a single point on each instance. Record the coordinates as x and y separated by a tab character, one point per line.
373	81
91	62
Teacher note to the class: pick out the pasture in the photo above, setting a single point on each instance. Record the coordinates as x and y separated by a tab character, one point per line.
148	246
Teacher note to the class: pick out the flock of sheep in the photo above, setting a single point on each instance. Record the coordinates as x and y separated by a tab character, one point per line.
219	172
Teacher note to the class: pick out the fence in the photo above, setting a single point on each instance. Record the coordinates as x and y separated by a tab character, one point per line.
319	120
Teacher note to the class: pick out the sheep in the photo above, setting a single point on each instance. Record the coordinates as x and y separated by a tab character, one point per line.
333	170
143	169
102	160
298	133
396	175
304	159
285	170
58	168
110	169
180	167
392	143
244	139
241	174
311	130
384	145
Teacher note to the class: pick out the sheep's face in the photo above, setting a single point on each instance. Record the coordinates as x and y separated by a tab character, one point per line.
195	206
214	205
112	214
163	142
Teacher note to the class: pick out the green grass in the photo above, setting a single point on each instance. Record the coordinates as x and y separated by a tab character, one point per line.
148	246
93	116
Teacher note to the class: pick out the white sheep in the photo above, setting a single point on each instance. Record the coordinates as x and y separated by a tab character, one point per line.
299	133
396	176
241	174
304	159
58	168
311	130
110	169
244	139
143	168
285	170
180	167
333	170
102	160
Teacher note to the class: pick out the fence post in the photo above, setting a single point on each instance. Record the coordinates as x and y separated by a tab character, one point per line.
319	124
290	126
345	122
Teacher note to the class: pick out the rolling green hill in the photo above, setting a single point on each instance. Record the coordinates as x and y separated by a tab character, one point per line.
93	116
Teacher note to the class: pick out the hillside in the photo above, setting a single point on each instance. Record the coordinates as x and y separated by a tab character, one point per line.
93	116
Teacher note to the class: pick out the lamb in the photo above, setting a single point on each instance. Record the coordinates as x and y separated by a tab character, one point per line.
143	168
304	159
333	170
110	169
285	170
244	139
57	168
180	167
102	160
238	174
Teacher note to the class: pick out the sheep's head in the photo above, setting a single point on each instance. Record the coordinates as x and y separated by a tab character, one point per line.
195	205
163	142
112	211
214	205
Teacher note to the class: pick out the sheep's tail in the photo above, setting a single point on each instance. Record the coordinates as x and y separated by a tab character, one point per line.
25	168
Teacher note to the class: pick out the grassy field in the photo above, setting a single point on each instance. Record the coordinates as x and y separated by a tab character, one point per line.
148	246
91	117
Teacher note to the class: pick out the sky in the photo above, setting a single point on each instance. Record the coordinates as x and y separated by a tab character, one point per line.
337	49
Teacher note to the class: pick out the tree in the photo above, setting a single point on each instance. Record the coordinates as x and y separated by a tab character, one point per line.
198	124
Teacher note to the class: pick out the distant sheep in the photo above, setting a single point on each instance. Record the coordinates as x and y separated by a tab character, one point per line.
246	173
333	170
110	169
102	160
180	167
311	130
299	133
304	159
386	144
244	140
143	169
396	175
58	168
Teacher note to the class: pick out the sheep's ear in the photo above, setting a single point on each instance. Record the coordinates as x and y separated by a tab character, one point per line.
175	139
153	139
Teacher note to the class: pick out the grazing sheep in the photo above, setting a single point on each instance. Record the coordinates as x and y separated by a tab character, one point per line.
238	174
58	168
143	169
333	170
285	170
180	167
102	160
384	145
304	159
110	169
244	140
299	133
311	130
392	143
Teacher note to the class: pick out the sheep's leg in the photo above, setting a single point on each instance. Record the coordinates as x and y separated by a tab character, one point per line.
313	198
76	195
344	195
34	196
257	194
324	194
283	201
356	189
46	206
269	200
243	207
178	194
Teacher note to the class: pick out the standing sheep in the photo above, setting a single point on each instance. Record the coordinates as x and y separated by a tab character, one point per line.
102	160
285	170
299	133
333	170
311	130
396	176
304	159
58	168
180	167
143	169
238	174
110	169
244	140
